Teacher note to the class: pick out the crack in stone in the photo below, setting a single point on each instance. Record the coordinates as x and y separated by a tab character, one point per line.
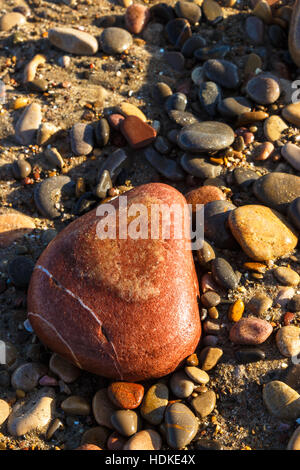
86	307
59	335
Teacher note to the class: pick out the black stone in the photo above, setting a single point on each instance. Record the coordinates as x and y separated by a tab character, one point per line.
102	132
114	164
192	44
177	101
49	192
294	213
20	270
216	229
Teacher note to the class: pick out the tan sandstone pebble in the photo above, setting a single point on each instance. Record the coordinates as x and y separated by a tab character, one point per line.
97	435
76	405
288	340
144	440
263	151
33	413
181	385
64	369
28	124
4	411
14	225
294	442
262	232
281	400
10	20
259	304
287	276
250	331
209	357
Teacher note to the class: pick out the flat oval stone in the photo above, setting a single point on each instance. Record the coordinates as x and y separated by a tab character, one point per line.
28	124
204	404
182	118
82	138
274	127
250	331
247	355
20	270
125	395
154	403
213	11
294	33
286	276
215	52
206	136
233	106
4	411
76	405
178	31
281	400
176	101
192	44
210	299
292	113
73	41
277	190
294	213
216	214
10	20
261	232
188	10
144	440
197	375
199	167
288	340
244	178
26	376
102	132
263	89
203	195
181	425
180	385
222	72
254	28
115	40
136	18
33	413
114	164
205	254
126	422
103	408
103	335
64	369
209	357
291	153
165	166
259	304
208	444
48	192
209	96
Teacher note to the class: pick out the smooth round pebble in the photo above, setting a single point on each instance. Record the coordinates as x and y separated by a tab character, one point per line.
250	331
181	425
147	439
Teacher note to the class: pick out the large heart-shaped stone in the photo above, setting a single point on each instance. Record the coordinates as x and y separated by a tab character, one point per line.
121	308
